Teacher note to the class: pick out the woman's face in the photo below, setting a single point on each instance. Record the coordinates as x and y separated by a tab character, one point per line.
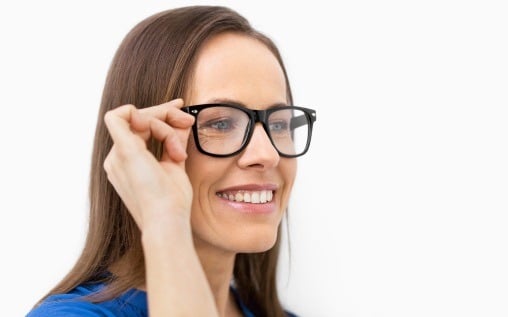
233	68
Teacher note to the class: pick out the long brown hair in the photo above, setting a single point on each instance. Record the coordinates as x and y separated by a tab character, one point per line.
153	65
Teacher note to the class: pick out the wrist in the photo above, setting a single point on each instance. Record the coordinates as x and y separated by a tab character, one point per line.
166	231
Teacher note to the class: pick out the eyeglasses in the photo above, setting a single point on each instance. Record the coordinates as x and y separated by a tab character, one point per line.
223	130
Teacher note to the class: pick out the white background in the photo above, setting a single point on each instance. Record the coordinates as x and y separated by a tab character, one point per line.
400	208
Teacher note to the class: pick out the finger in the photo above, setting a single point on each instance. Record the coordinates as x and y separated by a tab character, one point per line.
123	111
117	122
140	124
171	113
173	145
146	127
115	171
117	174
183	137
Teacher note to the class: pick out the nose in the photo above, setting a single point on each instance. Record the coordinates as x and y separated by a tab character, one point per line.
260	152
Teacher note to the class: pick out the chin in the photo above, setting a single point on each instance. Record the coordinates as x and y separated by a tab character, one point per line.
253	241
241	240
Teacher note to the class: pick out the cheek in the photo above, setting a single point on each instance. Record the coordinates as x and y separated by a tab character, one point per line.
192	162
196	167
203	171
288	169
196	164
201	178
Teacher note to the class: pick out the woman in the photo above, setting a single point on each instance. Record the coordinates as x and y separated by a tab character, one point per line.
192	168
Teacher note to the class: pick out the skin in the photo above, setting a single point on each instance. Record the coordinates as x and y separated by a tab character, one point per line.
174	201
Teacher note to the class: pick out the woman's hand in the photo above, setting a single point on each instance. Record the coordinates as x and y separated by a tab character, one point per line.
153	191
158	195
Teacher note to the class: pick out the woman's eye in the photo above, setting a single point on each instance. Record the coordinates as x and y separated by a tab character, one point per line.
278	126
219	124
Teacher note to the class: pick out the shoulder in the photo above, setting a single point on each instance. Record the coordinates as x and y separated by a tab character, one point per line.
246	311
68	309
73	304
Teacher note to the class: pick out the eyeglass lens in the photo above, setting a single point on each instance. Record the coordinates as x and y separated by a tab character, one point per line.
223	130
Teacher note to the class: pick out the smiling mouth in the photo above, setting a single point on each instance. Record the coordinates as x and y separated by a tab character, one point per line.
253	197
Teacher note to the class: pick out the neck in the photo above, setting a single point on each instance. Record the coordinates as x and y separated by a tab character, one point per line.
218	266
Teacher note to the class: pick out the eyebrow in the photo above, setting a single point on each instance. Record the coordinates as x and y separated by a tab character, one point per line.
228	101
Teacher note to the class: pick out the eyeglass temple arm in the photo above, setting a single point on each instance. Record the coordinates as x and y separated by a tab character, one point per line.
299	121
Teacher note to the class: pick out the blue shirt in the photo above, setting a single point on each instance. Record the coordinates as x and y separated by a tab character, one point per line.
132	303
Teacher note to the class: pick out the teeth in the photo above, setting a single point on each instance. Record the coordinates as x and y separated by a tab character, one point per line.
254	197
262	196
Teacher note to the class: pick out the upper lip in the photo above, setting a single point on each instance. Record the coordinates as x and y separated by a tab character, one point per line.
250	187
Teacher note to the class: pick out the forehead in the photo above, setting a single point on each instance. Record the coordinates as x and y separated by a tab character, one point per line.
237	67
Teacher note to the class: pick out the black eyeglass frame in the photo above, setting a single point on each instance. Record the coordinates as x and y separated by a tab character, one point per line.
255	116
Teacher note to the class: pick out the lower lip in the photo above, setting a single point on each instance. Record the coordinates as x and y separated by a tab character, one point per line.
249	208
